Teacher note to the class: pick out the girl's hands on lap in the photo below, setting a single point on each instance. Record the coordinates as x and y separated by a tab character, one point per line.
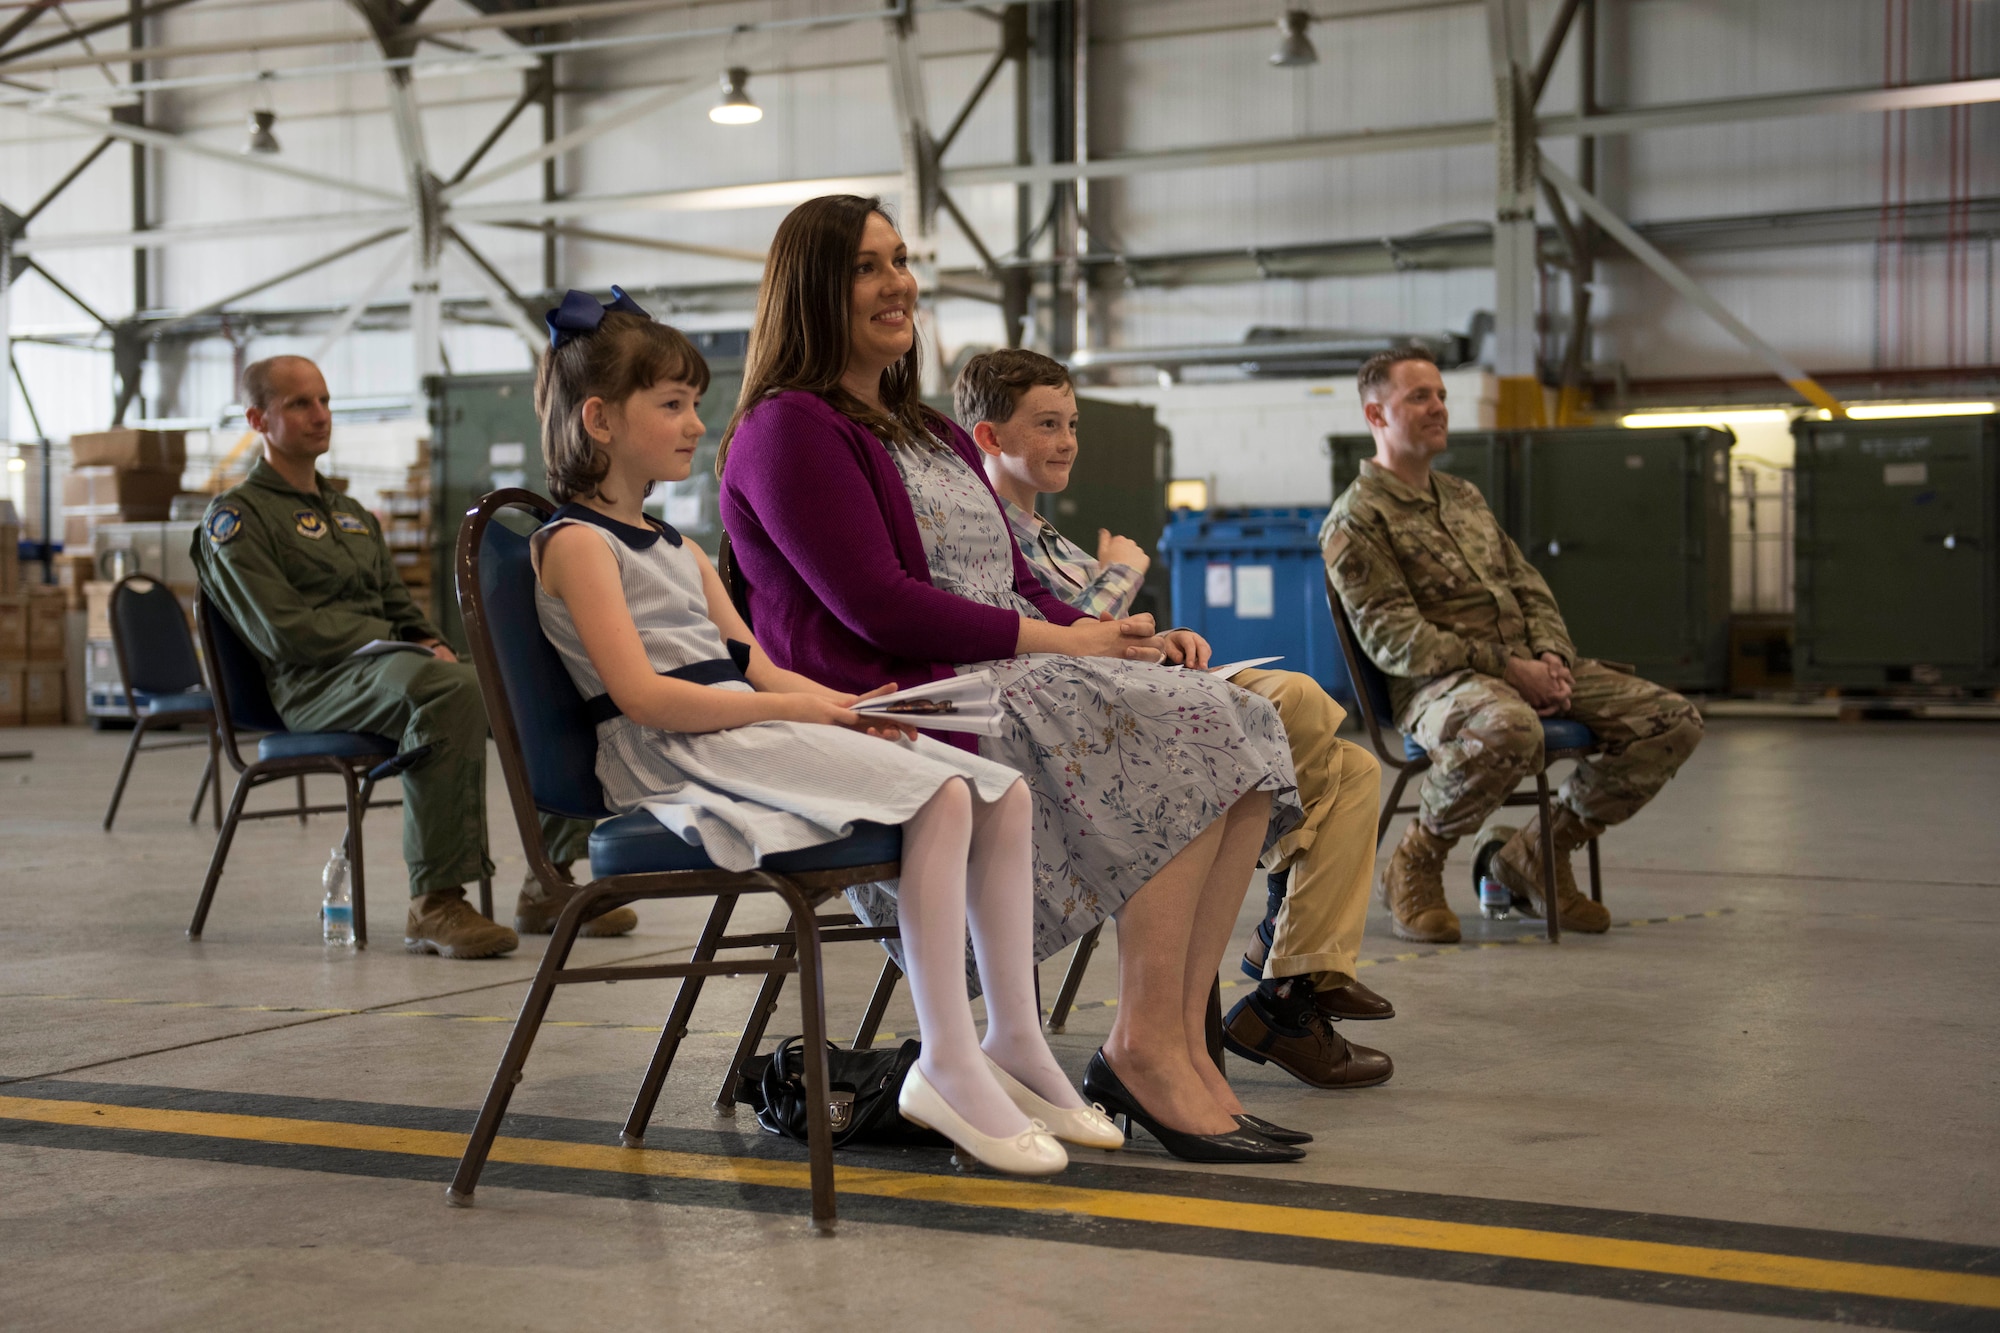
836	712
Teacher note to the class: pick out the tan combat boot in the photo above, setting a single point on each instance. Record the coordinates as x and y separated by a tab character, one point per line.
445	924
535	910
1413	888
1518	865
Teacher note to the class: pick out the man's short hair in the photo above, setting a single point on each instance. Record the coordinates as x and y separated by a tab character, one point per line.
1376	371
257	376
990	386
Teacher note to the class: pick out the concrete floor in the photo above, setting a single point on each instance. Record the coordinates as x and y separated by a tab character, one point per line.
1789	1050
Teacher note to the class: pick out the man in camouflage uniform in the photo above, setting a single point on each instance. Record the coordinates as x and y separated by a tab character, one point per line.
1476	653
302	574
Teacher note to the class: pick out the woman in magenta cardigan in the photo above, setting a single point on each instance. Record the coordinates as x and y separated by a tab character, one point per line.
873	550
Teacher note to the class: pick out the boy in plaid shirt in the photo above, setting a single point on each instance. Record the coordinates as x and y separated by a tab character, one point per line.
1021	410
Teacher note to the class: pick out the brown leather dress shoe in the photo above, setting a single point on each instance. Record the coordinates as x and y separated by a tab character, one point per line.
1312	1053
1353	1000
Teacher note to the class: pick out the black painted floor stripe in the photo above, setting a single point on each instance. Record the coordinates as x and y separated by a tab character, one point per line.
1428	1264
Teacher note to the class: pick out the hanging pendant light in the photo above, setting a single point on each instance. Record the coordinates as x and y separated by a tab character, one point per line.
262	118
261	139
1295	48
734	107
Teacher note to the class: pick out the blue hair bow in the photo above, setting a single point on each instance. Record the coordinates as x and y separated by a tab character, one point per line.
580	313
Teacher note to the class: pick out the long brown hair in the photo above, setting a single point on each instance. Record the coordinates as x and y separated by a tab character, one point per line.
801	337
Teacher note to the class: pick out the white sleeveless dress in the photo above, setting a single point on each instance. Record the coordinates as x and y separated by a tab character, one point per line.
748	792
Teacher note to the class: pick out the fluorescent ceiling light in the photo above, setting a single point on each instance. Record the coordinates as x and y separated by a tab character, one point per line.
1749	417
1878	411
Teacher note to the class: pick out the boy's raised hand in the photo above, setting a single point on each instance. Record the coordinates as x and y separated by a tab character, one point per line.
1113	550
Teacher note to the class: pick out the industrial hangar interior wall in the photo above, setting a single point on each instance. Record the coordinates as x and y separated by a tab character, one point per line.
1170	75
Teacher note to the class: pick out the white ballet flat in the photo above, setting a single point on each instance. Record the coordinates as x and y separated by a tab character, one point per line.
1085	1126
1032	1152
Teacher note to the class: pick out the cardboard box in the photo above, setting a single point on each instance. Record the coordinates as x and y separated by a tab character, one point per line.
131	494
151	450
97	601
73	571
10	548
14	627
46	609
42	694
13	694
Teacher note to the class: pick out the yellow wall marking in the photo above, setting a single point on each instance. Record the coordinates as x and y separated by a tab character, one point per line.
1775	1270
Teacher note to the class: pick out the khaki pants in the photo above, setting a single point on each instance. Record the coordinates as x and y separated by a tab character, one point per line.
1332	854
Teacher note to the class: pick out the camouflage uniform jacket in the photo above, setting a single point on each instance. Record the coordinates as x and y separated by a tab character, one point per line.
304	576
1432	584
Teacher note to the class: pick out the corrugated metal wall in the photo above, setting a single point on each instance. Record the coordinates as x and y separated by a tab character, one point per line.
831	115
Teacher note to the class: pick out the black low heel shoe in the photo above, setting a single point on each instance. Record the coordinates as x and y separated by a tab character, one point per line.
1100	1085
1257	1124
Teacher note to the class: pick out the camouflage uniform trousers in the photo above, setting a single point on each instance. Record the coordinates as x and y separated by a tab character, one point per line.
1483	739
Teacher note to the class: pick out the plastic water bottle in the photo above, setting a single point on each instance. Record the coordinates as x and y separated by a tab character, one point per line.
336	910
1495	902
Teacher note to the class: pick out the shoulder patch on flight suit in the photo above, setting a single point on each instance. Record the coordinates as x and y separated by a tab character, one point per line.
353	523
308	523
224	525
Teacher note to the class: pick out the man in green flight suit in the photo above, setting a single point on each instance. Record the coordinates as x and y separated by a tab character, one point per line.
303	575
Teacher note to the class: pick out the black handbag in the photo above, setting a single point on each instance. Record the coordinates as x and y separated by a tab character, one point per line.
862	1087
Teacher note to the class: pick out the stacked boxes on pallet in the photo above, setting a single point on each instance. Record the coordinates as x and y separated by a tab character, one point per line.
119	476
31	657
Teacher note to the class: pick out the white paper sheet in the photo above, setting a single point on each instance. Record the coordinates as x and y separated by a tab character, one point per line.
377	647
1229	669
966	703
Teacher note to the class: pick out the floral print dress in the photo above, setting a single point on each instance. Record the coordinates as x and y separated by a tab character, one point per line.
1127	762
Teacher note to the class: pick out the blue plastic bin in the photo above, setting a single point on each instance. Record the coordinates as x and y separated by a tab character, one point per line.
1253	583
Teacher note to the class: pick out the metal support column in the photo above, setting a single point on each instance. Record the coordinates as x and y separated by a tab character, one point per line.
1514	242
1017	284
128	353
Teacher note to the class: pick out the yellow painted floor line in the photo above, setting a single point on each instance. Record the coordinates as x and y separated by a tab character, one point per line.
1690	1261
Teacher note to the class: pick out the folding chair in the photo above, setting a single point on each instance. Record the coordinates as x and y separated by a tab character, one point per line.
162	681
548	752
360	760
1561	739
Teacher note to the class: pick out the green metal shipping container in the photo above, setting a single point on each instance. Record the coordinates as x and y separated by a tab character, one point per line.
1124	458
1895	552
1482	457
1631	530
484	436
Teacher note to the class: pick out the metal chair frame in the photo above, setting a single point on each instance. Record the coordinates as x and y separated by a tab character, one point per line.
147	719
1408	770
795	949
357	774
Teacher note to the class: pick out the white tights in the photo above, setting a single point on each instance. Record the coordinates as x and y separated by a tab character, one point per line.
966	862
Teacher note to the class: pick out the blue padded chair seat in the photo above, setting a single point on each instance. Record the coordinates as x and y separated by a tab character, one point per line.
638	844
1558	733
1561	733
314	744
195	701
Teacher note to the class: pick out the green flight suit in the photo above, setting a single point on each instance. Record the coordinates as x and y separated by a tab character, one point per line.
305	578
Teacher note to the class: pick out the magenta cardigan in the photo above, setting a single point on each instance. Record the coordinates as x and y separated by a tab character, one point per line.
823	534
